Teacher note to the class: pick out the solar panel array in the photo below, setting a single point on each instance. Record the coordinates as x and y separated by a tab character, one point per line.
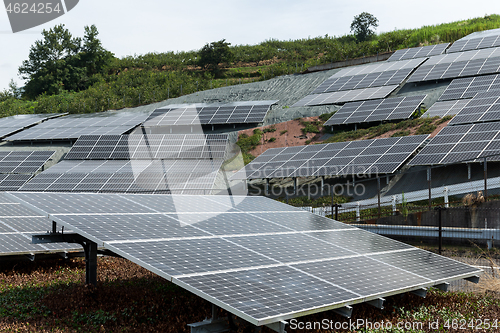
75	125
204	114
254	257
339	97
17	224
23	161
462	142
151	146
419	52
156	163
462	64
483	107
13	182
133	176
482	34
481	42
446	108
333	159
9	125
469	87
375	75
376	110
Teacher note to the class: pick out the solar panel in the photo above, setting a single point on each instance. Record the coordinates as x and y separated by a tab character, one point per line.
9	125
469	87
128	176
75	125
151	146
204	114
376	110
17	224
340	158
462	64
251	273
419	52
481	34
346	96
461	142
483	107
446	108
478	40
23	161
375	75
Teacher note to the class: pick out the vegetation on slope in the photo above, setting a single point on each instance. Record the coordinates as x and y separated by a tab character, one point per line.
50	296
152	77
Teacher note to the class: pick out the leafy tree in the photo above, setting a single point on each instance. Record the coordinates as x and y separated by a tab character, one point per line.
60	62
362	24
212	55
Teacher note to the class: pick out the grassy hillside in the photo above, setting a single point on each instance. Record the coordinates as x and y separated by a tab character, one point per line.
144	79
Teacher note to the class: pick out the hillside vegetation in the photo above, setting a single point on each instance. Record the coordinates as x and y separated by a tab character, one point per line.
152	77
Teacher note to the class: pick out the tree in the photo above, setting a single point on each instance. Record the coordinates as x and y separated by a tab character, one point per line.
362	24
214	54
60	62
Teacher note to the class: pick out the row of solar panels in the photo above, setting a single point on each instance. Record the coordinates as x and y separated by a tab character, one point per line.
466	57
235	251
71	127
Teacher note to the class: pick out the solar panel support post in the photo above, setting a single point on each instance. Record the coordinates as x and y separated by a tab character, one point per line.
212	325
485	179
378	198
446	199
468	171
90	250
440	226
430	185
322	184
295	185
267	187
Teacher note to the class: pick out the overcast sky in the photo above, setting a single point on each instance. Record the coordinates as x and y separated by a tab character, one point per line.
137	27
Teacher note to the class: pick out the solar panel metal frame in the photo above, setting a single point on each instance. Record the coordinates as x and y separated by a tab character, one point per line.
205	278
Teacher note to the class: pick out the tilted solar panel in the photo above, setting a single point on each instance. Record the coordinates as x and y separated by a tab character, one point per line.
376	110
235	251
419	52
469	87
340	158
461	143
460	64
148	147
205	114
340	97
